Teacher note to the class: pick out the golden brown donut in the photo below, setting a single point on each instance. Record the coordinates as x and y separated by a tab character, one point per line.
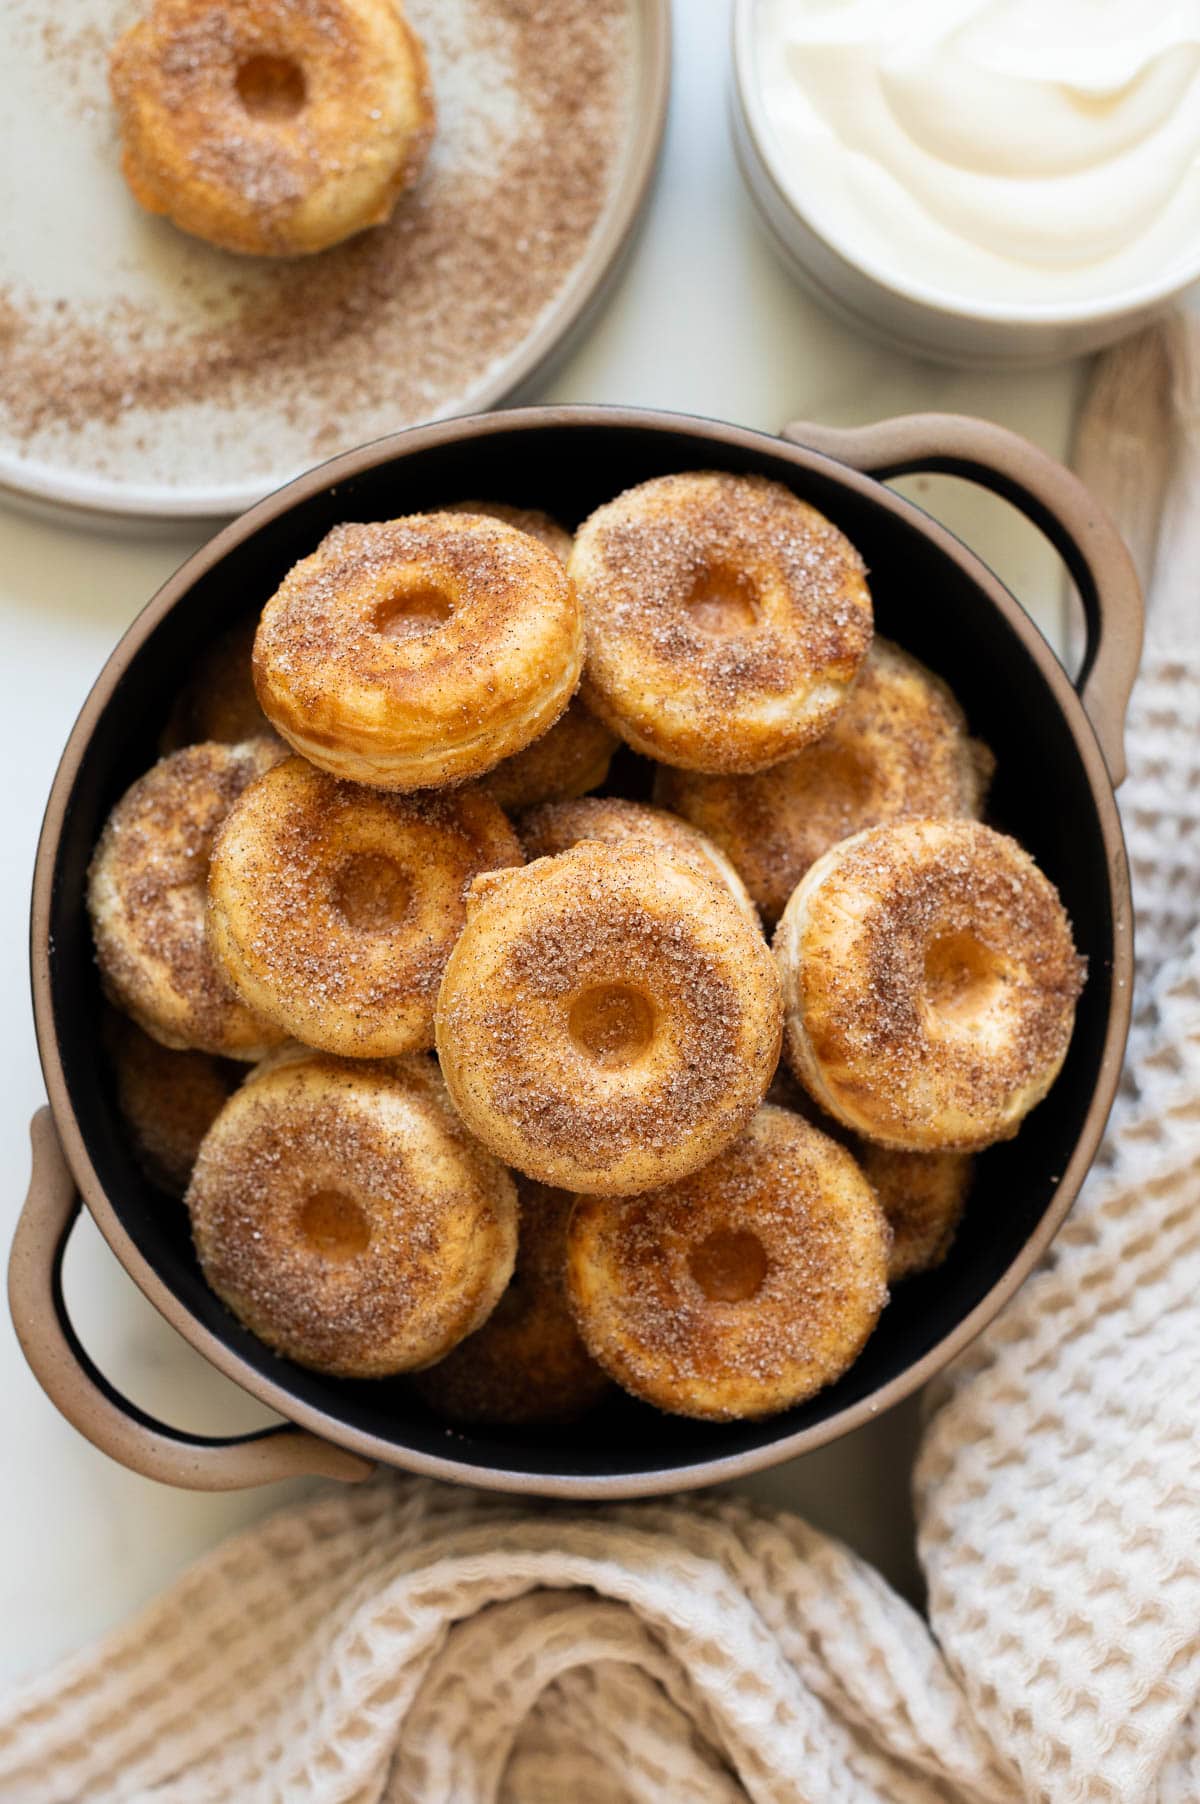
726	619
527	1363
923	1196
218	700
273	127
609	1020
899	747
168	1100
333	908
412	653
541	526
557	826
930	983
343	1214
742	1289
566	762
148	900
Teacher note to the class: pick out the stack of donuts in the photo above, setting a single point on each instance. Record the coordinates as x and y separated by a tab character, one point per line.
475	1074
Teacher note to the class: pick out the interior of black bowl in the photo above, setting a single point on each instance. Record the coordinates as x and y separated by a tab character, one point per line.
924	601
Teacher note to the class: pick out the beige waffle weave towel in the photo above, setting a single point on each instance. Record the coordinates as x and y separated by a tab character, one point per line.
409	1642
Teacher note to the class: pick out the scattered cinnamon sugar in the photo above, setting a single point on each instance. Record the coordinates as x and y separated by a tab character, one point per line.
399	324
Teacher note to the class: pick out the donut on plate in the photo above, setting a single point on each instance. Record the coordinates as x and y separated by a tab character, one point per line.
271	127
726	619
345	1217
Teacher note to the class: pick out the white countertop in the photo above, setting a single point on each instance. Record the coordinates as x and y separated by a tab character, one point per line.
705	321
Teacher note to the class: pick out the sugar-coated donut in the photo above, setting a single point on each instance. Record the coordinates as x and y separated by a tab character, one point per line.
899	747
930	982
923	1196
168	1100
527	1363
557	826
148	900
541	526
344	1215
609	1019
568	761
412	653
742	1289
273	127
726	619
333	908
218	700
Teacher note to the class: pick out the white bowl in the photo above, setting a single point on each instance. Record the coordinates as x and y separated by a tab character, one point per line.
915	317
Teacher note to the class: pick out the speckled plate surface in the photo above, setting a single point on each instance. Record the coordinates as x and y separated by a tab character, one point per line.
143	373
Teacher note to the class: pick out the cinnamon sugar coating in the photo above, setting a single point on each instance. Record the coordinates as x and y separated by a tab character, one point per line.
608	1020
557	826
742	1289
538	524
409	654
168	1100
923	1196
527	1364
726	619
568	761
899	747
148	901
345	1216
333	908
272	127
930	982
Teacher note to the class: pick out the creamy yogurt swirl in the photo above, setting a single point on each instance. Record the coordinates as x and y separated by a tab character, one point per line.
1015	152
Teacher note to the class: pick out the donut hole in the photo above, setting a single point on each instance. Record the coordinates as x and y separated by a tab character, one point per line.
412	611
332	1224
729	1265
271	87
722	602
612	1024
963	980
371	893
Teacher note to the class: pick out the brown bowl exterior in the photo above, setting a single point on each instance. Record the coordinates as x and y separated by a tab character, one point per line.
1053	790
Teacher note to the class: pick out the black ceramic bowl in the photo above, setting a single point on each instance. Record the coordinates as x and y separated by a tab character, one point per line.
1053	790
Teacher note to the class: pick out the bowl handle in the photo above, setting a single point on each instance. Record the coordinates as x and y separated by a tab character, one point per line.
1055	500
86	1398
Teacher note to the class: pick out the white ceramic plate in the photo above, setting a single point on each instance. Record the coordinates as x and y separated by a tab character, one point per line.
144	373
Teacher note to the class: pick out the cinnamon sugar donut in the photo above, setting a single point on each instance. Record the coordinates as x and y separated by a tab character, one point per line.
168	1100
412	653
218	700
741	1290
541	526
930	983
273	127
347	1219
566	762
527	1363
609	1020
557	826
923	1196
899	747
148	901
333	908
726	619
